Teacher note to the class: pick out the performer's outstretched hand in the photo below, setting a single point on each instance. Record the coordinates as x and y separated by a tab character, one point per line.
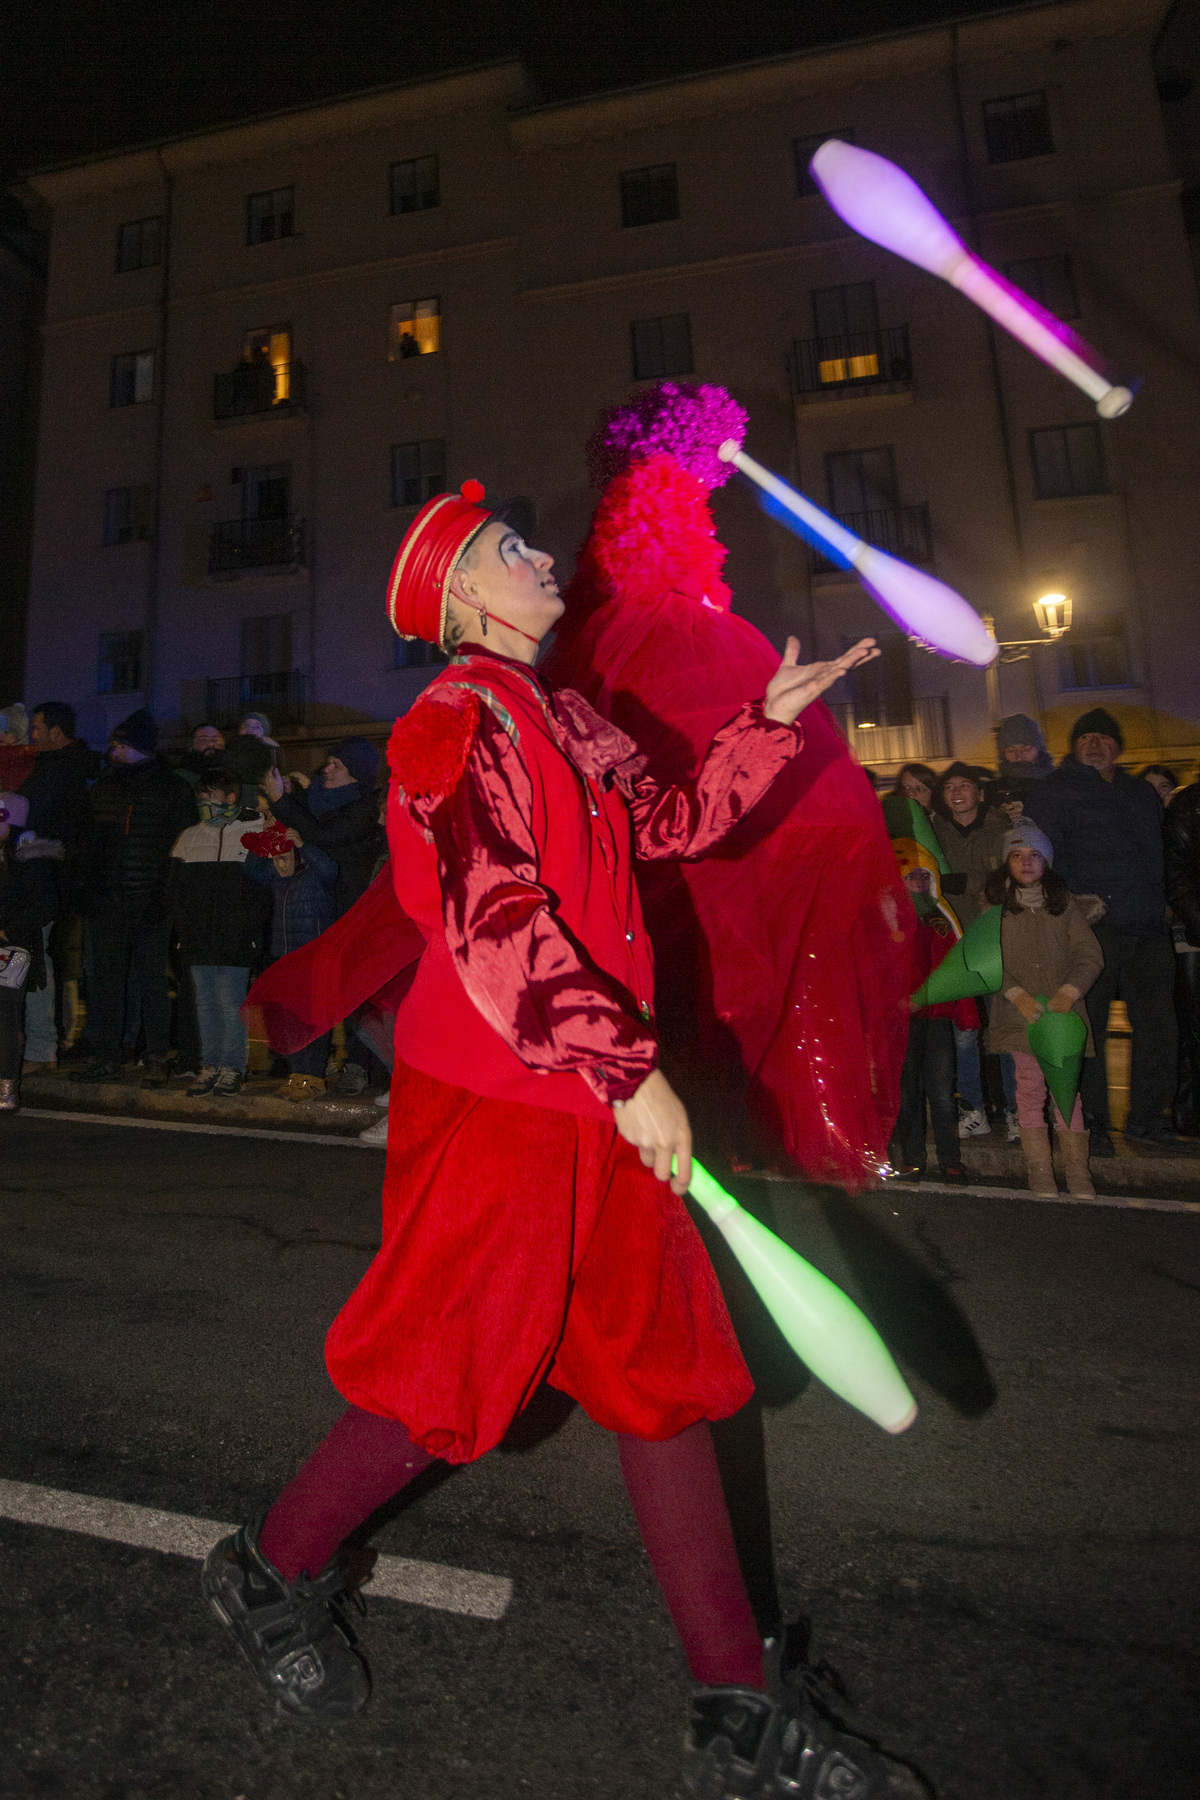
655	1122
793	687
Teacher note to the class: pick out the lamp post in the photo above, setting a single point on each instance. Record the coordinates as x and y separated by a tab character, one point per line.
1053	614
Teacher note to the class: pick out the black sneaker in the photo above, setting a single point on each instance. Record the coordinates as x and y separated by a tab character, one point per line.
1099	1142
97	1070
742	1745
204	1083
295	1635
228	1083
954	1175
1164	1139
158	1072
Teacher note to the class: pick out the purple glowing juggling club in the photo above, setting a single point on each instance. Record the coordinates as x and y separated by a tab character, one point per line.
881	202
929	611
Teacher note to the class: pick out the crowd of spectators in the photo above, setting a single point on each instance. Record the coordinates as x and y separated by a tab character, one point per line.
140	894
1124	850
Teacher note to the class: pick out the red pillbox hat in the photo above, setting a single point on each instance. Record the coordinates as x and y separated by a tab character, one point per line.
419	585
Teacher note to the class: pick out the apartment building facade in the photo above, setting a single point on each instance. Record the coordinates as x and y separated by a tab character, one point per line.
267	344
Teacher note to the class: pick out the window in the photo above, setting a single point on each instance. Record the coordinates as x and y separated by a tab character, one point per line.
266	490
132	380
126	515
882	689
411	653
418	471
846	327
139	245
267	645
271	215
270	346
662	347
1016	127
413	185
805	148
1050	281
120	663
414	329
649	195
1067	459
861	481
1097	661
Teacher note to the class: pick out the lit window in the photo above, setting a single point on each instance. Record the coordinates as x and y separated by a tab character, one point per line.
805	148
1049	280
139	245
662	347
132	380
649	196
270	215
418	471
1067	459
120	663
414	329
127	515
847	332
1016	127
413	185
271	347
1097	661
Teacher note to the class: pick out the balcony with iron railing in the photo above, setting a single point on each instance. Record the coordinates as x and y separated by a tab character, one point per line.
225	700
854	363
257	390
255	547
926	736
902	531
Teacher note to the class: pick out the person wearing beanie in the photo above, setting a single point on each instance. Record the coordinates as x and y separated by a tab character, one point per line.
534	1226
1050	960
1106	830
16	752
139	808
1021	753
258	725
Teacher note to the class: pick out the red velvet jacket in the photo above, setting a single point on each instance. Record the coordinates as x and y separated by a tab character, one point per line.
513	820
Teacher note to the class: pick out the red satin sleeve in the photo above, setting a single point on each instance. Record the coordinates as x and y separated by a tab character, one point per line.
689	818
525	972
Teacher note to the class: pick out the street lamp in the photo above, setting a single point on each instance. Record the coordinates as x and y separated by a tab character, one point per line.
1053	614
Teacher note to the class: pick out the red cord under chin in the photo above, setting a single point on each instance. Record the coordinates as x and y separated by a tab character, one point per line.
516	628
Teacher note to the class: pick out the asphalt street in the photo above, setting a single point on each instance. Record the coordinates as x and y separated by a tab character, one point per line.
1008	1591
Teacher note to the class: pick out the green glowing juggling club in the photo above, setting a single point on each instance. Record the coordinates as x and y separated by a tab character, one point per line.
1058	1041
974	966
822	1325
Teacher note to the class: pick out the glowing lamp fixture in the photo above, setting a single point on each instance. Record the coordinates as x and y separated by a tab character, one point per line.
882	203
1053	614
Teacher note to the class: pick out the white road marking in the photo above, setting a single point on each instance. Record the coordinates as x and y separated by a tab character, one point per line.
251	1131
145	1528
1136	1202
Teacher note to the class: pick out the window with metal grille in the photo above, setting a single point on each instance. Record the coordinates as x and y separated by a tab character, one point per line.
413	185
414	328
1017	126
649	196
882	689
139	245
846	329
805	148
1067	459
662	347
127	515
132	379
120	663
1096	661
270	215
1050	280
418	471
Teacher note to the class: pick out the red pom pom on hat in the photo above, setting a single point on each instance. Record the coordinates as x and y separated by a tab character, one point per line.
419	585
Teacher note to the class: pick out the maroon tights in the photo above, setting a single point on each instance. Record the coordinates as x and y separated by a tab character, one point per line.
674	1487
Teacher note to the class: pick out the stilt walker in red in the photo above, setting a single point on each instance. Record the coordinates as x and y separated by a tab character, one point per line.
533	1229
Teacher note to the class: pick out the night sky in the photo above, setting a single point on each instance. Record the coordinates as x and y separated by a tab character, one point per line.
80	76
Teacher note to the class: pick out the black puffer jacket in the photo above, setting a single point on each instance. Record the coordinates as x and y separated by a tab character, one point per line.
139	811
1182	857
60	807
1108	840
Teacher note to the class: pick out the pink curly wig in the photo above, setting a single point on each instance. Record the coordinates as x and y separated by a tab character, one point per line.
686	420
652	534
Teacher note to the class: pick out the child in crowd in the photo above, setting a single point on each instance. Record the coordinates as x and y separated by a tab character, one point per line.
928	1075
300	879
1048	949
221	918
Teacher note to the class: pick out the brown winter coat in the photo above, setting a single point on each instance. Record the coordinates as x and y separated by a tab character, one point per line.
1040	953
972	855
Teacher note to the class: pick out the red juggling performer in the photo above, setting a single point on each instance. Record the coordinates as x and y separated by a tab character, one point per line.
532	1228
782	961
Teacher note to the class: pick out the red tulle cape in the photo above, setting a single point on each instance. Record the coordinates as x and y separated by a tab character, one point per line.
782	960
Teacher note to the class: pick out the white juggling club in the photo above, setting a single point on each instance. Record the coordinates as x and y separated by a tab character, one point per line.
883	203
922	606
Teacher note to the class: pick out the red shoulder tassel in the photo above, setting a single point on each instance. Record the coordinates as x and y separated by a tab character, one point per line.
429	746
